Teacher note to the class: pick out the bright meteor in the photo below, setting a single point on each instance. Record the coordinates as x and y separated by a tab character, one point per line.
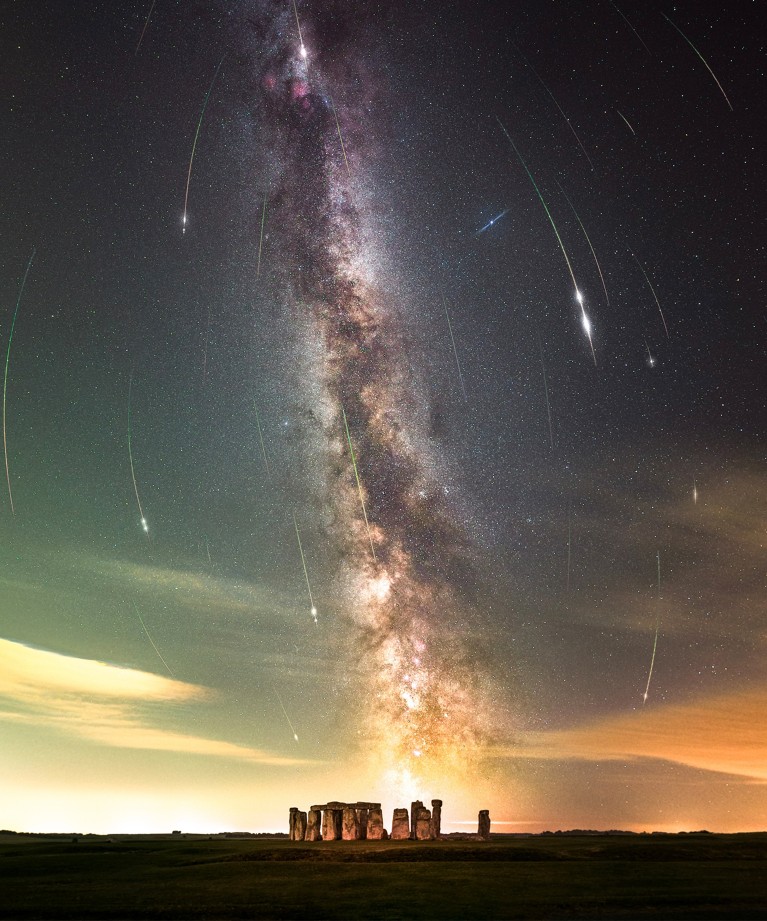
194	144
313	609
585	322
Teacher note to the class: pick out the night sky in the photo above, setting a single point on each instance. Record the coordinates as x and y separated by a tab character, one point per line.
316	489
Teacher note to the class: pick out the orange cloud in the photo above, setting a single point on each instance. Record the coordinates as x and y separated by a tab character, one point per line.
727	733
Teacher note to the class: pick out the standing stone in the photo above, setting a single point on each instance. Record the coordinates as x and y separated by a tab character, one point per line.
422	824
313	825
363	817
300	826
329	825
375	830
436	818
400	825
483	828
351	825
292	823
414	807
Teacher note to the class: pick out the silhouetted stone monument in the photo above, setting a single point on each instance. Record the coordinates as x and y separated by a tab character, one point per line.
422	824
414	807
436	818
351	824
483	827
400	825
375	826
314	825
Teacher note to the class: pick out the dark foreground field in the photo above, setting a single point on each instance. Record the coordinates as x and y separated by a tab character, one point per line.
708	876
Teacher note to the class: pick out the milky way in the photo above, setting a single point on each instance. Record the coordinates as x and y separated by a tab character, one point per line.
399	568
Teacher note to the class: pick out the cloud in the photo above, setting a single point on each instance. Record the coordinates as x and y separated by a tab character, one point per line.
106	704
726	734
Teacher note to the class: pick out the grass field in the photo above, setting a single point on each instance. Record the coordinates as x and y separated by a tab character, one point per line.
689	877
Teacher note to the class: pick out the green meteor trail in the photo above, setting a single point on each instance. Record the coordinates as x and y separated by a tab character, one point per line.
5	379
359	485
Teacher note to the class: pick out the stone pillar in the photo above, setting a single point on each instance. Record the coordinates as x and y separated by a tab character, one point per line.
300	826
483	828
292	823
414	807
422	824
400	825
363	817
351	825
436	818
329	825
313	825
375	830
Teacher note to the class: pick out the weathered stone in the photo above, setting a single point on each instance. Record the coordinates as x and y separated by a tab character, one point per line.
292	823
400	825
331	826
414	807
300	826
351	825
422	824
314	826
375	830
436	818
483	829
363	816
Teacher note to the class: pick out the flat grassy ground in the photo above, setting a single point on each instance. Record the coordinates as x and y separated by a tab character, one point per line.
127	876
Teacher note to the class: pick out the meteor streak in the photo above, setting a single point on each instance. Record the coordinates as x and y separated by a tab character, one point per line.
261	439
569	546
546	391
313	610
655	641
152	641
585	322
554	100
660	311
455	351
626	121
588	240
144	524
628	23
292	727
5	379
492	222
702	59
148	17
359	485
261	239
194	144
694	491
298	26
340	138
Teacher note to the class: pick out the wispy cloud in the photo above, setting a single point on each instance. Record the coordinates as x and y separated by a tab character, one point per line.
726	733
106	704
